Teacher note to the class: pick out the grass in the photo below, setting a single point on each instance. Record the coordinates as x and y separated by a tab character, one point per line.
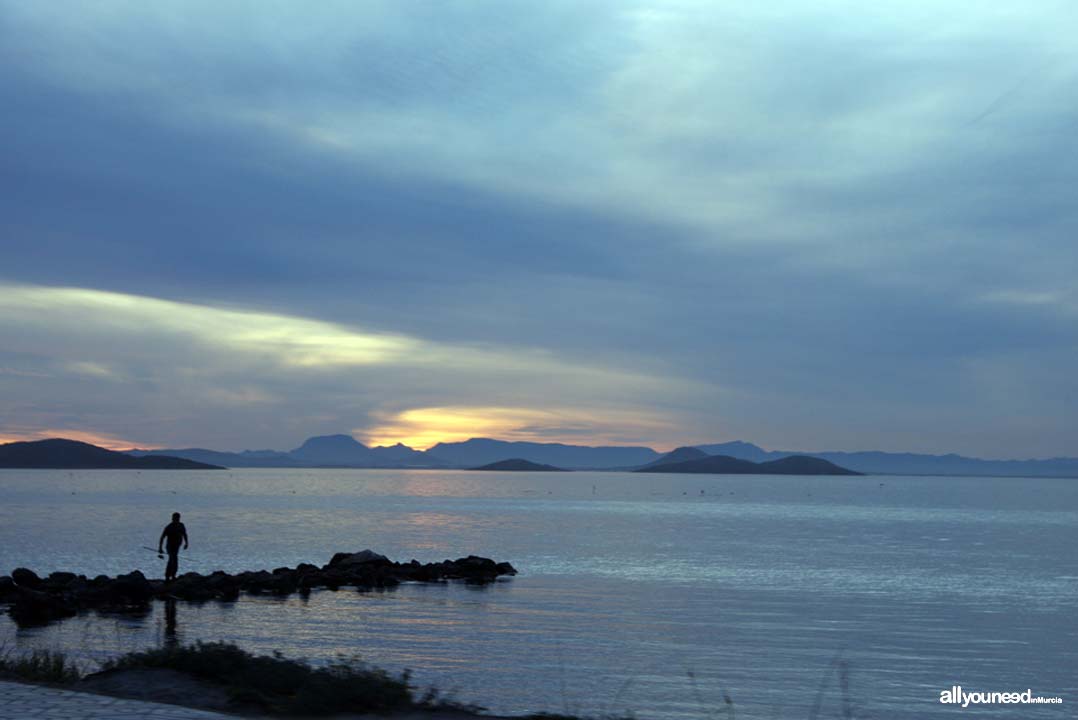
280	686
275	685
40	666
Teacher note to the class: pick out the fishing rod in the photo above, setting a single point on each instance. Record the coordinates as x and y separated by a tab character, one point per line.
155	550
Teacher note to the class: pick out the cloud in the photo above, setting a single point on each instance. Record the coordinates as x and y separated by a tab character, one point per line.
111	442
210	367
802	226
424	427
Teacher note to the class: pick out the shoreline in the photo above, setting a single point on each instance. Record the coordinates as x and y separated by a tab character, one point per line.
173	690
34	601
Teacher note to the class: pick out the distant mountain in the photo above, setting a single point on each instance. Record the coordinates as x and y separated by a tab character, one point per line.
726	465
346	451
742	450
482	451
519	465
718	464
400	455
64	454
333	450
886	463
681	454
247	458
804	465
319	451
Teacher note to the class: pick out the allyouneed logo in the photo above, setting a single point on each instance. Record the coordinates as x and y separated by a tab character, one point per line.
956	696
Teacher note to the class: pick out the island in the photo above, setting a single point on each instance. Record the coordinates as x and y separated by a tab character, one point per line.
62	454
726	465
519	465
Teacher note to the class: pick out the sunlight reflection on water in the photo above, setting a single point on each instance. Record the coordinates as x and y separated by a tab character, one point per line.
752	584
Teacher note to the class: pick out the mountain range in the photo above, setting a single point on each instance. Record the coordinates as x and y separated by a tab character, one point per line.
727	465
346	451
74	455
318	451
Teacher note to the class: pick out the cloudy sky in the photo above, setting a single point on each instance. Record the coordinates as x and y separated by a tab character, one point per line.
812	225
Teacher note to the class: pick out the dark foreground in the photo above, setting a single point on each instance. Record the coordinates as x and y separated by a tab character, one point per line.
224	678
38	601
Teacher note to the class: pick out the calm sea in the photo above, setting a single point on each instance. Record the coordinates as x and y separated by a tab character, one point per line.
657	595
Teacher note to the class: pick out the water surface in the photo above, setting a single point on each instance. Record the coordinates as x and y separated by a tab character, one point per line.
650	594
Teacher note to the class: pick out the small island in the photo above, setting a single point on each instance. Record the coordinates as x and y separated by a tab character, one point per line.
520	465
61	454
726	465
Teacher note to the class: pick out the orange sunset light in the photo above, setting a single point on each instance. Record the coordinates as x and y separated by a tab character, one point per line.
109	442
422	428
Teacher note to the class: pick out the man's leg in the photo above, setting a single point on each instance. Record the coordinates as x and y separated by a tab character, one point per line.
173	564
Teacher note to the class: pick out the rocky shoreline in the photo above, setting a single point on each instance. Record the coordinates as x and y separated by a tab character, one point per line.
36	601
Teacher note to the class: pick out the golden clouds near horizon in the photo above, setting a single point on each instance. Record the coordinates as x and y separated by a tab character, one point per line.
422	428
177	373
108	442
295	341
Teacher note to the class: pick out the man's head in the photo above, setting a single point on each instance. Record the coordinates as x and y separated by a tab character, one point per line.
175	517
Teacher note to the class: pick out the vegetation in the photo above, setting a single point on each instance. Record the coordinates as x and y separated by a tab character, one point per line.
40	666
275	685
280	686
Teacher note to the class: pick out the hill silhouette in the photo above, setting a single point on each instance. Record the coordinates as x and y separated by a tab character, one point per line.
345	451
726	465
805	465
681	454
877	462
318	451
59	453
481	451
519	465
247	458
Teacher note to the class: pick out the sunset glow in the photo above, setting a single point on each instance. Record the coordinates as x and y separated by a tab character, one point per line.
108	442
421	428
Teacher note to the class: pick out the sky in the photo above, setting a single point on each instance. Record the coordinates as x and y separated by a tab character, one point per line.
812	225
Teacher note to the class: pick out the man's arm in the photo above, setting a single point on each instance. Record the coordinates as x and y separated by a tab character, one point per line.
161	540
184	536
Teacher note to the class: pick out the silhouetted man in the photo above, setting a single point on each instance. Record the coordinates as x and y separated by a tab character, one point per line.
175	533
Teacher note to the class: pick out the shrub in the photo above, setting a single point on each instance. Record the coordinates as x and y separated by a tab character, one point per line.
40	666
278	685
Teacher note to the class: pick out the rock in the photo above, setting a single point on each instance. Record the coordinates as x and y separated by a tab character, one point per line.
130	589
264	582
363	557
63	594
8	589
34	607
26	578
59	580
189	586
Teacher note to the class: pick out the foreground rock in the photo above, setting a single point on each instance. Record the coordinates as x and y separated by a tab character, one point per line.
35	600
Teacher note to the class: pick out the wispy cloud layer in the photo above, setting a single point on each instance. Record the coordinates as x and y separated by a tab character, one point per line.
820	224
157	365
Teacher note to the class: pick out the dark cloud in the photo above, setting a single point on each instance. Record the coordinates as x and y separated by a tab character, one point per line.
839	229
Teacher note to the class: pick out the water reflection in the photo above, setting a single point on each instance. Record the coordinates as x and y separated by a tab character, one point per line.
752	591
171	638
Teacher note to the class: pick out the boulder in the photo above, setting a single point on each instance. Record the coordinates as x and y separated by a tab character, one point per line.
59	580
8	589
63	594
26	578
363	557
33	607
130	589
